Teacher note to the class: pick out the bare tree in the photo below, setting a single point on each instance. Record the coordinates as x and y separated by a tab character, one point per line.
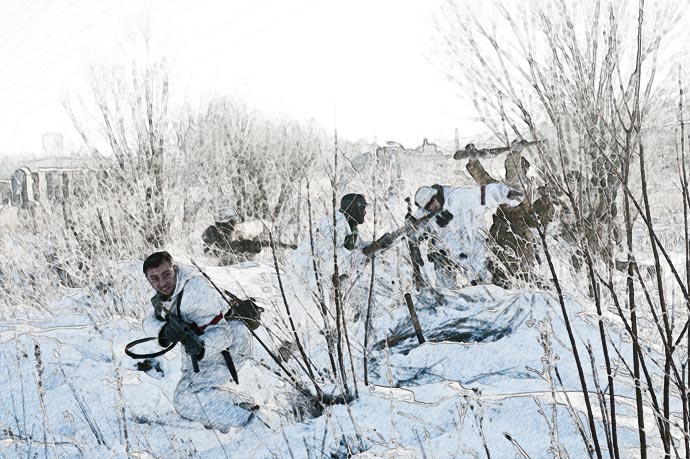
131	113
242	158
584	78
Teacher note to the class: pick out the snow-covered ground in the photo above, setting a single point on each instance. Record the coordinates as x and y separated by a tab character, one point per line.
495	378
70	391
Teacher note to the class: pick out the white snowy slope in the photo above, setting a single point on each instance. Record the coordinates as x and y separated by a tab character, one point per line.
483	384
481	379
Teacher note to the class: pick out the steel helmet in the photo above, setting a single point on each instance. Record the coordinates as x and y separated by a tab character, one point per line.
227	215
423	196
353	205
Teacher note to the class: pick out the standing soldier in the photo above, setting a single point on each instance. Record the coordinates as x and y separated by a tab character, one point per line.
511	235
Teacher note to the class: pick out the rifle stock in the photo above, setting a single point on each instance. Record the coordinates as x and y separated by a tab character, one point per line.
388	239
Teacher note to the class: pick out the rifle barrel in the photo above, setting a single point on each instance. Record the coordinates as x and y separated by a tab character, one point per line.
483	152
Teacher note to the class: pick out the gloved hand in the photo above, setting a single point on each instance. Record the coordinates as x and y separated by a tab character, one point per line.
157	308
194	352
350	241
381	243
443	218
514	194
167	335
342	278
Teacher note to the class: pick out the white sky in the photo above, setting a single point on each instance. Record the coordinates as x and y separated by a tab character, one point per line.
357	65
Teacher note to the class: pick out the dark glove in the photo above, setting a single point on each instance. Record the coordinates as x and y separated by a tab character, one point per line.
167	336
443	218
199	355
350	241
341	278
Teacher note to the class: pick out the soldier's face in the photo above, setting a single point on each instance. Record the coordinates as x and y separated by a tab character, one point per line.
362	213
433	205
162	278
357	212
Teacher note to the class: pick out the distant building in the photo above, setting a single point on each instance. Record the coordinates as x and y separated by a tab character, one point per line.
22	188
49	180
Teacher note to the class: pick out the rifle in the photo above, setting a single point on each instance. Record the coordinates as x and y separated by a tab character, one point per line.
282	245
193	345
471	151
388	239
185	334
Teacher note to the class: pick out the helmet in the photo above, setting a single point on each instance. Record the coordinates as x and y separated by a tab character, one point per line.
423	196
227	215
353	205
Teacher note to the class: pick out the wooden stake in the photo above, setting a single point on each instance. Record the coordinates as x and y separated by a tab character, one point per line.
415	321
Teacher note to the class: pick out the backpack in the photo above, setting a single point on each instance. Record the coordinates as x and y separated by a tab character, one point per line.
245	310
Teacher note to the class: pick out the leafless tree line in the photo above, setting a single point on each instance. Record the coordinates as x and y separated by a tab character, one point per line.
590	80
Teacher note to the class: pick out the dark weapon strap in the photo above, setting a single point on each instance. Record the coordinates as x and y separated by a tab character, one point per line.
483	192
178	303
128	348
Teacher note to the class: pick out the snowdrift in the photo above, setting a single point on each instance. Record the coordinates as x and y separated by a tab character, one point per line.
482	384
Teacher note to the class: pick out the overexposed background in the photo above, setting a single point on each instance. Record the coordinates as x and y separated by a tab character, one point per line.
358	66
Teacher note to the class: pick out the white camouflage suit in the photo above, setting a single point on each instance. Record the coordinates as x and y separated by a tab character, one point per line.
463	238
200	396
351	263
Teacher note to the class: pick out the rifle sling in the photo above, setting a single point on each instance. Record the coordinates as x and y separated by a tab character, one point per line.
134	355
215	320
128	348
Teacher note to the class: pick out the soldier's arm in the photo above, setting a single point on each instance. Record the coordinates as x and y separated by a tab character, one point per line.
478	173
201	303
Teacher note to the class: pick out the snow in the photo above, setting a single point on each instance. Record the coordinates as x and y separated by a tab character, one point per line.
483	384
438	399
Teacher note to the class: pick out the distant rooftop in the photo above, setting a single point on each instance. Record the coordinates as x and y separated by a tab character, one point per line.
60	162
